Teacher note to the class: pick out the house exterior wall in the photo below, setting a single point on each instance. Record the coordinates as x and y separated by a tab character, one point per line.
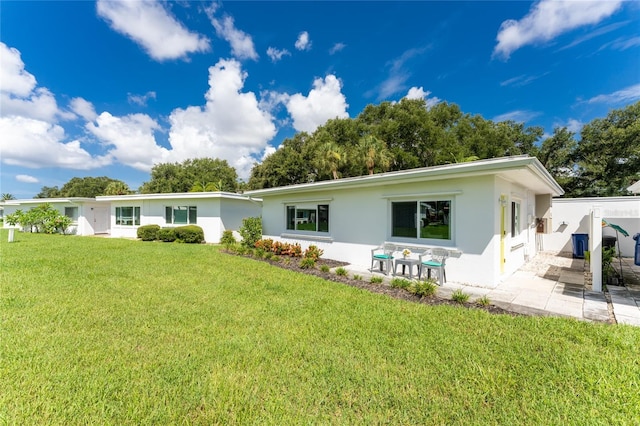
81	226
571	216
214	214
360	219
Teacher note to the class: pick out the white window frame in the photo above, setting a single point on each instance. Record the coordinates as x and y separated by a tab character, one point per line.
170	217
417	200
72	216
305	206
135	218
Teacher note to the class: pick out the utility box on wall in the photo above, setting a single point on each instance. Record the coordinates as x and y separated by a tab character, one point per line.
543	225
543	213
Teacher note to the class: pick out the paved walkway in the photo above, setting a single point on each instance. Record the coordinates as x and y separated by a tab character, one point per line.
554	285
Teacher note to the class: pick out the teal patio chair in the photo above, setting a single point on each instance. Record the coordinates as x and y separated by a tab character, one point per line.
383	255
436	262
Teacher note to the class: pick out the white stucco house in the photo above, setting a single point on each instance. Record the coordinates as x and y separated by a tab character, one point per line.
214	212
492	211
89	216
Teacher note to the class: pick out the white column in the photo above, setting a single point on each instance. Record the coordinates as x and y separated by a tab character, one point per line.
595	247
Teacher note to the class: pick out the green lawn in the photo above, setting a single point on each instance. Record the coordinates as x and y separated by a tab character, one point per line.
109	331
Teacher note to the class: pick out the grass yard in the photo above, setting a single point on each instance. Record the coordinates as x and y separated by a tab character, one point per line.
111	331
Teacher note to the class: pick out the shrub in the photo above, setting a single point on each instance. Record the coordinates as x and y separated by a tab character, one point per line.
313	252
307	263
460	296
293	250
251	231
266	244
357	277
400	283
376	280
167	235
423	288
227	239
483	301
325	268
148	232
191	234
341	272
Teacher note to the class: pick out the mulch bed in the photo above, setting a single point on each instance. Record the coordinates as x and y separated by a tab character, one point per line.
385	289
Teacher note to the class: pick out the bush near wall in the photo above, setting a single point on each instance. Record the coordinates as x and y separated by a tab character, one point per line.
148	232
191	234
251	231
167	235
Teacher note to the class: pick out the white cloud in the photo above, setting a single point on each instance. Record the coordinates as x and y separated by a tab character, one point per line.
277	54
325	101
303	42
230	126
337	48
519	116
150	25
241	43
83	108
593	34
40	105
398	75
547	19
14	78
34	143
521	80
574	125
622	43
27	179
140	99
419	93
130	139
628	94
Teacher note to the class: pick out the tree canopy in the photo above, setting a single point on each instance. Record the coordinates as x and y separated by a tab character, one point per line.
604	161
88	187
192	173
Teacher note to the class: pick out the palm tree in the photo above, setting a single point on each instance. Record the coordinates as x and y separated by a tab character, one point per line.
207	187
8	196
117	187
373	152
330	157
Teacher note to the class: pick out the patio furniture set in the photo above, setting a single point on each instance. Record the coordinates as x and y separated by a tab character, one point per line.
390	256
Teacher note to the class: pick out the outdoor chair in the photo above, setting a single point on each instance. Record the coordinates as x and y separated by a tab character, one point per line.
436	262
383	255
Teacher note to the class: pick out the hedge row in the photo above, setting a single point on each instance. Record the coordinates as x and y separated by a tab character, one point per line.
186	234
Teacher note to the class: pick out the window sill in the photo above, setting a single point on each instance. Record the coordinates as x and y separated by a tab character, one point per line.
308	237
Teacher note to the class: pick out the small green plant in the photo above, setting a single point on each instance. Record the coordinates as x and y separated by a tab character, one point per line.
148	232
483	301
423	288
341	271
460	296
251	231
227	239
376	280
400	283
259	253
357	277
608	271
325	268
307	263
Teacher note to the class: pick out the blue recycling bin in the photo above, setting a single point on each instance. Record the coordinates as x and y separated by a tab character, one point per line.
580	245
637	256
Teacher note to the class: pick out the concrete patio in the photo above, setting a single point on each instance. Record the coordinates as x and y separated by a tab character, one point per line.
554	285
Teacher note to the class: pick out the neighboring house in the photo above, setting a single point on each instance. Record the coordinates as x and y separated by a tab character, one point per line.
635	188
572	216
214	212
489	210
89	216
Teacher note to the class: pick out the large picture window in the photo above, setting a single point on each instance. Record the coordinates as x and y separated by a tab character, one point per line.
128	216
421	219
308	218
181	215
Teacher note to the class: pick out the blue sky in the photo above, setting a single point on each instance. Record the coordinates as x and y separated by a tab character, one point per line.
111	88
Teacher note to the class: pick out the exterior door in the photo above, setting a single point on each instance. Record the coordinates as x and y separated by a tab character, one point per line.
101	219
